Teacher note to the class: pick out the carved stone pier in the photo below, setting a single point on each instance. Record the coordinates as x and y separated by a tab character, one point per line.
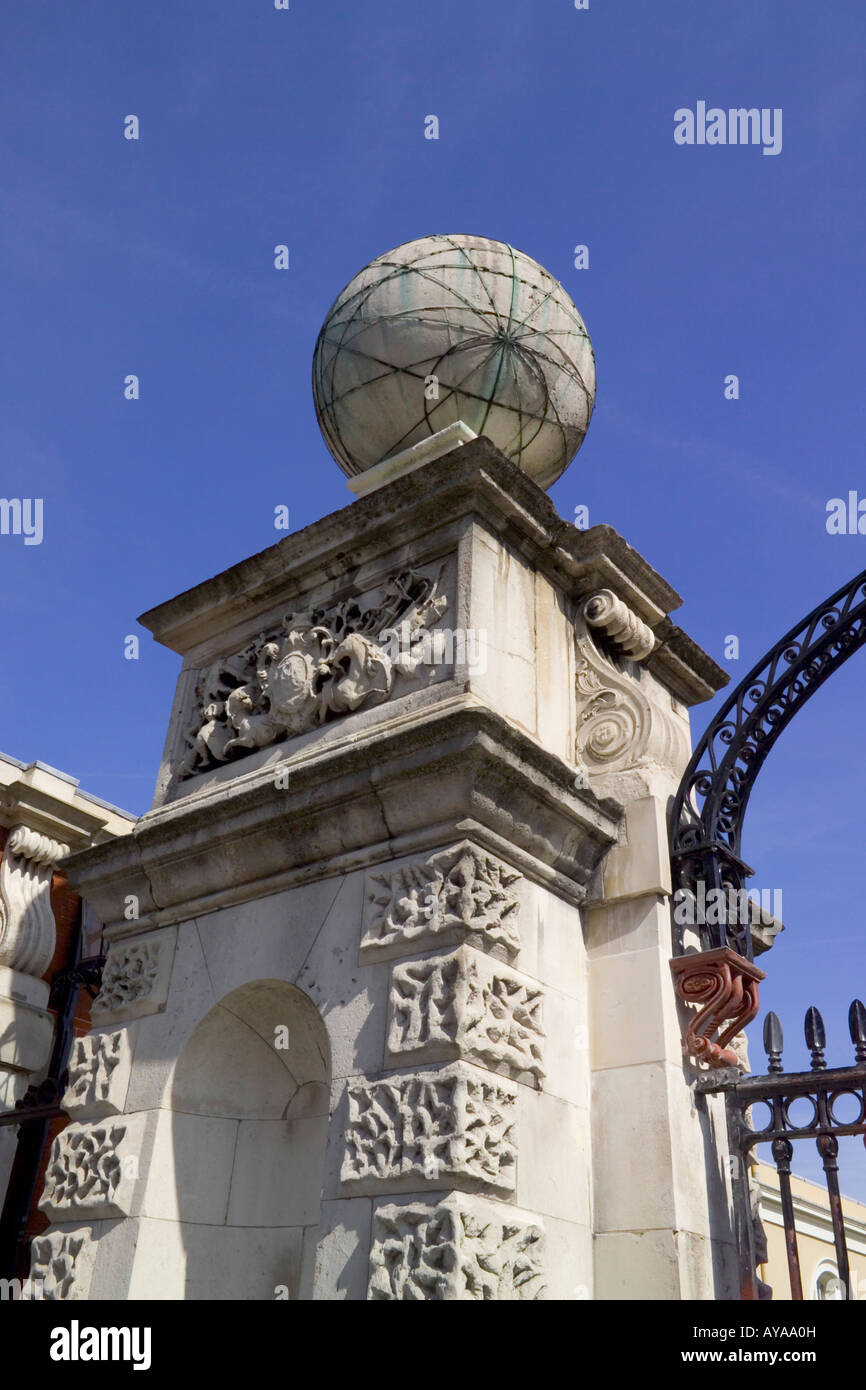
387	1010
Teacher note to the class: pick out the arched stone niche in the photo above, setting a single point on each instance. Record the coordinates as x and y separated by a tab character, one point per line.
250	1101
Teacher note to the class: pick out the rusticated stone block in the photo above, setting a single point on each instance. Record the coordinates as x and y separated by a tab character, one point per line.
462	894
136	977
98	1075
92	1170
61	1265
455	1127
461	1249
465	1005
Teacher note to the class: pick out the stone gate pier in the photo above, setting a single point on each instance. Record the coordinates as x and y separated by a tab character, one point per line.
387	1011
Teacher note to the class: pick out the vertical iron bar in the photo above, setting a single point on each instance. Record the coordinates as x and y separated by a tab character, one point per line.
741	1197
783	1152
828	1148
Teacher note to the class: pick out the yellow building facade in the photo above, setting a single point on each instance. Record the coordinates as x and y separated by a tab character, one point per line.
818	1267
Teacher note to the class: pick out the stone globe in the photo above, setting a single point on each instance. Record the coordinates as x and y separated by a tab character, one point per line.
450	328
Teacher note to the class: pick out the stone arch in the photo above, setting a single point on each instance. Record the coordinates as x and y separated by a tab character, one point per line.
250	1105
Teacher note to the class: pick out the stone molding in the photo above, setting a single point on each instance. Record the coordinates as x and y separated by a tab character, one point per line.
51	803
99	1070
475	480
452	1127
424	780
27	930
466	1006
459	894
463	1248
136	978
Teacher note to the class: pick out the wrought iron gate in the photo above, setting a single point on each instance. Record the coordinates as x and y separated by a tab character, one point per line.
705	830
823	1088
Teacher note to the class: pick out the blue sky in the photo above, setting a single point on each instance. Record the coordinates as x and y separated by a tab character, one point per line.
306	127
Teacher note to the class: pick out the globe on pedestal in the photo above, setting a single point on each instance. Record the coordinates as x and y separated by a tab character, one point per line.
452	328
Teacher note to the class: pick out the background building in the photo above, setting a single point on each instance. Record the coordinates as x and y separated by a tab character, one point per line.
818	1267
43	815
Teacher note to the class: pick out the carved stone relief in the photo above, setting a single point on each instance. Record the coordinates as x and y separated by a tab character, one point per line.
460	894
27	932
607	612
618	726
85	1176
135	979
98	1074
61	1265
448	1128
315	666
464	1248
465	1005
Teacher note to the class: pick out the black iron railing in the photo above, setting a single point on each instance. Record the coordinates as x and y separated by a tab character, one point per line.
823	1087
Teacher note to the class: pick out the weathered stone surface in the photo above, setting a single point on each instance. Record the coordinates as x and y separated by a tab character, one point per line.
27	933
465	1005
25	1036
461	765
619	725
454	1127
461	894
136	978
462	1248
99	1070
313	666
92	1170
61	1264
419	817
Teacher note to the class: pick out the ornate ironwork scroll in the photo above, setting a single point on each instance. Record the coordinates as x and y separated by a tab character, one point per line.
708	811
726	986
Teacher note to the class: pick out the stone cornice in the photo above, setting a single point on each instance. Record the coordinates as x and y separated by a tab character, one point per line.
473	480
52	804
458	772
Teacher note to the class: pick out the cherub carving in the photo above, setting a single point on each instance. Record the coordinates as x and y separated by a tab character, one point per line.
211	740
254	730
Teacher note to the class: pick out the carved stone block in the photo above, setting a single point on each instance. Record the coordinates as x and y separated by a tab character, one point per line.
27	931
61	1264
98	1075
460	894
313	667
463	1248
92	1170
622	722
465	1005
450	1128
136	978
